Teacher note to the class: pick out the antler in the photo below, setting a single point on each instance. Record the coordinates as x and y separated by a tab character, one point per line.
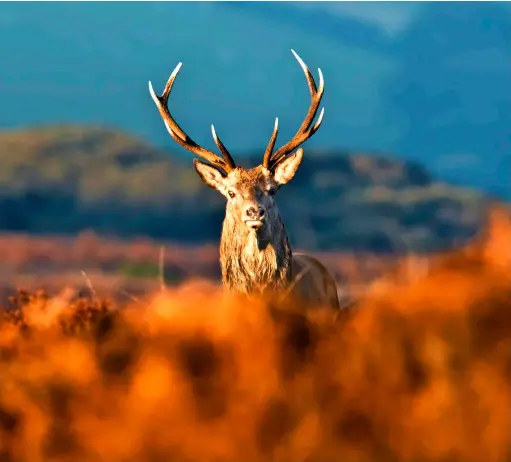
179	136
270	161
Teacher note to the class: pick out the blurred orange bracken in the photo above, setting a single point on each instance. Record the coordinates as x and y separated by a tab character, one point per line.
419	370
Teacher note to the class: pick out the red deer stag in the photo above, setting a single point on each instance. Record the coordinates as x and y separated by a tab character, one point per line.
255	254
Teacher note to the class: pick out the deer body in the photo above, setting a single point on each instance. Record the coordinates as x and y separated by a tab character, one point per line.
317	284
261	259
255	255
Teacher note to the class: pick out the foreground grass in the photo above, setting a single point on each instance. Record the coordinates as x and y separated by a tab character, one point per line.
417	371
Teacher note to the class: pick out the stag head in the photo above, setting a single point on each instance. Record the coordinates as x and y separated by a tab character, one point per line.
250	193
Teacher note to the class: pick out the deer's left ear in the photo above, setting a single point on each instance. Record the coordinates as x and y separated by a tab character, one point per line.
286	170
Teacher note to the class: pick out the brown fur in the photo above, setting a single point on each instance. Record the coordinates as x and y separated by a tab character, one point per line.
317	284
261	261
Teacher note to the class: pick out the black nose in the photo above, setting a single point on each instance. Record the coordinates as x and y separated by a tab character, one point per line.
255	214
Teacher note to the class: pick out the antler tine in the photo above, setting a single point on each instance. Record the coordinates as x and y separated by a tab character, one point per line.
177	133
227	156
279	157
271	144
305	131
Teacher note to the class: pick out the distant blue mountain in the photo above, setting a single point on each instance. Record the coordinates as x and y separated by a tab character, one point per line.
437	91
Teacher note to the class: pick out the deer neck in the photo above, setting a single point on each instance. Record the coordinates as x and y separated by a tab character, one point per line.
254	262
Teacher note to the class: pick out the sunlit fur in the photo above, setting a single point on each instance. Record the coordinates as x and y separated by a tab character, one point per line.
253	260
261	260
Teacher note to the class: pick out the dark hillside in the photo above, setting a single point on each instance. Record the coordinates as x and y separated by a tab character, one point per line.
63	179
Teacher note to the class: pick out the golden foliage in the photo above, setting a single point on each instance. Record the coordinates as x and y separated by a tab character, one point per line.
419	370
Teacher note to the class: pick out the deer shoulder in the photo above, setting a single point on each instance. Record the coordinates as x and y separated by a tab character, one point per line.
312	281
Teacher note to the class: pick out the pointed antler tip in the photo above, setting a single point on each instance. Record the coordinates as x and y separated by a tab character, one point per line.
321	79
175	71
152	92
320	118
300	61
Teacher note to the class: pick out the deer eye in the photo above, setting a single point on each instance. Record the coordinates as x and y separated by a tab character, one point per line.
272	191
231	194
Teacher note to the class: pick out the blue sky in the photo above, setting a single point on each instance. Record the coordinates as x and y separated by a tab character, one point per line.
89	62
392	17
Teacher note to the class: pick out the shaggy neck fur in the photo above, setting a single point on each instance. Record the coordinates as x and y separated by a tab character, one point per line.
254	262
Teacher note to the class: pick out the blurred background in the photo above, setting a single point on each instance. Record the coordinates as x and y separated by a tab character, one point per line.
415	141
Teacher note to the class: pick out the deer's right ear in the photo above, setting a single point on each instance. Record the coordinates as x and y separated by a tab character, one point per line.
209	174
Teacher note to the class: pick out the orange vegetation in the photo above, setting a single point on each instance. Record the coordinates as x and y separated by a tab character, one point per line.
52	262
419	370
